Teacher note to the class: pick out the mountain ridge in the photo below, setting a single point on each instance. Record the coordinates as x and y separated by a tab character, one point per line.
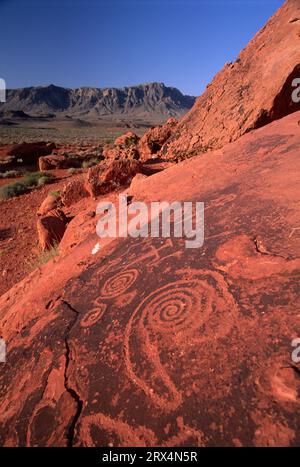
140	100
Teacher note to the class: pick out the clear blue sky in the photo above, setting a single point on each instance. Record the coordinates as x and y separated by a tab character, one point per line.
104	43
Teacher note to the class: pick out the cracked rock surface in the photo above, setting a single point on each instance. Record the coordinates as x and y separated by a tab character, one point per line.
150	343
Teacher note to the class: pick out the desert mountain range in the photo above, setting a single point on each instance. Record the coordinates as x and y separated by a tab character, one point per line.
154	100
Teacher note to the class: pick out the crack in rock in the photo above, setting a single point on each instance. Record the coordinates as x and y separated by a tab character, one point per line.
75	396
260	248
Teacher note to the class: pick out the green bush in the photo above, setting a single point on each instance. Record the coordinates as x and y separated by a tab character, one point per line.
12	189
10	174
30	180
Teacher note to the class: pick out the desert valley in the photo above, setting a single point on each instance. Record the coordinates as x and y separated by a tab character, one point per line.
142	341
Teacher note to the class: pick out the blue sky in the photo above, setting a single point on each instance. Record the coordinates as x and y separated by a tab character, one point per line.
105	43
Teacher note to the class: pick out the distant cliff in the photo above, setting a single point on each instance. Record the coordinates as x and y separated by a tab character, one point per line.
145	100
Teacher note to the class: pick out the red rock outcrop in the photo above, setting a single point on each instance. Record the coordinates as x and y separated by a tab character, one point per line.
151	143
247	94
193	346
106	177
51	228
50	203
54	162
73	192
127	139
30	152
124	147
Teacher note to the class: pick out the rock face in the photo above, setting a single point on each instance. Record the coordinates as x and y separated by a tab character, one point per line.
142	101
148	343
50	203
130	146
124	147
51	228
106	177
73	192
154	139
30	152
246	94
54	162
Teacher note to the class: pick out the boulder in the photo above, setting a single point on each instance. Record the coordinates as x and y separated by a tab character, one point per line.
53	162
50	203
126	140
51	228
73	192
136	182
153	140
30	152
106	177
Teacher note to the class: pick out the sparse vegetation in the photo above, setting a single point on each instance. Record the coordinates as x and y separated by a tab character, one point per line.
31	180
11	174
12	189
90	163
55	194
43	257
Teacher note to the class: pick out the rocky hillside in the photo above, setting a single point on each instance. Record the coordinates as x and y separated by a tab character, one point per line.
154	99
147	343
247	94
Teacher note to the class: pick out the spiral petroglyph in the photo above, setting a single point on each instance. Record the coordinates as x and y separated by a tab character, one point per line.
93	315
185	309
118	284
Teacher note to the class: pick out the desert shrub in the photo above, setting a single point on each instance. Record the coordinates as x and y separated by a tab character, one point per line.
31	180
90	163
43	257
10	174
55	193
12	189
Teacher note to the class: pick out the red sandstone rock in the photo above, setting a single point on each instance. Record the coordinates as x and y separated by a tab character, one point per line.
50	203
128	139
51	228
124	147
53	162
30	152
136	182
107	177
73	192
149	343
246	94
154	318
153	140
